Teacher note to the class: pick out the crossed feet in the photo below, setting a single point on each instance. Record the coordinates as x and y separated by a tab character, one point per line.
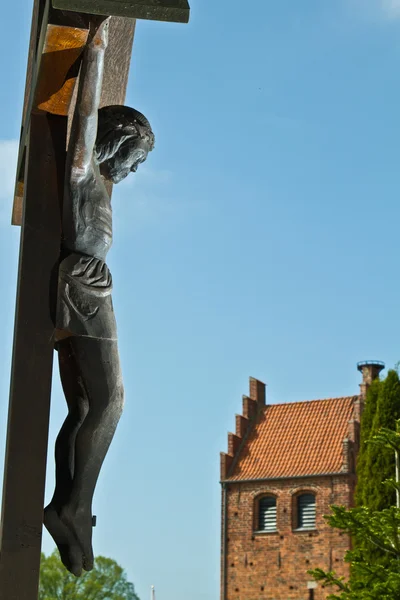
72	532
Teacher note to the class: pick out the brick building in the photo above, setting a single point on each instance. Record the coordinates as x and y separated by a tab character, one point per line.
286	464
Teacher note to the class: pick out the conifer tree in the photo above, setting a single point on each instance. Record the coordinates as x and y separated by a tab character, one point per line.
379	463
367	419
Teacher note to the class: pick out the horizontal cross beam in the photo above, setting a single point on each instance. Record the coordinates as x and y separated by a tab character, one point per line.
157	10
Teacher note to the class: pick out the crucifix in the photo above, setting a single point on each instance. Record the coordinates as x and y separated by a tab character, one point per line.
77	140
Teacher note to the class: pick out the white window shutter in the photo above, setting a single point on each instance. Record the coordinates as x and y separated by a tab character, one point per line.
306	512
267	514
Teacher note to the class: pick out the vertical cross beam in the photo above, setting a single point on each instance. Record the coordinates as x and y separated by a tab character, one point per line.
28	418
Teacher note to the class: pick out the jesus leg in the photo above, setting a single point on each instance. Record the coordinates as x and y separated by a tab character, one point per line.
98	371
75	394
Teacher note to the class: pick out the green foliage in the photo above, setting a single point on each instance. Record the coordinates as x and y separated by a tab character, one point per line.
371	578
374	464
368	414
107	581
382	409
380	460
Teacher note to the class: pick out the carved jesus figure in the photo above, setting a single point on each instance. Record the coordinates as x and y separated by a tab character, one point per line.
105	144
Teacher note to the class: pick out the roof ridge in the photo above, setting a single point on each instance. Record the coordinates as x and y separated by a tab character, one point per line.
314	400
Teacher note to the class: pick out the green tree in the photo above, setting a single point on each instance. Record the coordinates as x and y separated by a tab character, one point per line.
374	464
380	460
107	581
370	579
367	419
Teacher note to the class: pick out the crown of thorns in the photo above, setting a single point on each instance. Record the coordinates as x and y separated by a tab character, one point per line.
127	120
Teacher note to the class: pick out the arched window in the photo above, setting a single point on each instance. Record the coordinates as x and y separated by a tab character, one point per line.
306	511
267	514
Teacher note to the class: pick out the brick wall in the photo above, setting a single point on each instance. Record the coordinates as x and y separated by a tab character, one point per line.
273	566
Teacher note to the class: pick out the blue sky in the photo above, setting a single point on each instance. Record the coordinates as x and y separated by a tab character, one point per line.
260	238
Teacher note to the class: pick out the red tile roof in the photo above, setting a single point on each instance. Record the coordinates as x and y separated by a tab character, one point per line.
296	438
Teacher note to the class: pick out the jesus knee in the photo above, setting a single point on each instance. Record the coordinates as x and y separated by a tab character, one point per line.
82	408
113	403
77	411
119	399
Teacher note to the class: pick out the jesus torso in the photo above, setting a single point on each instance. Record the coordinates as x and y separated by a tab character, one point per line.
89	228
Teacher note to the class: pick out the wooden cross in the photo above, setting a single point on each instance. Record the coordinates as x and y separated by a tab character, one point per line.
58	36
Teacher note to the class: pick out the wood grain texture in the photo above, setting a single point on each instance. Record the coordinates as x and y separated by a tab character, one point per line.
175	11
117	61
16	217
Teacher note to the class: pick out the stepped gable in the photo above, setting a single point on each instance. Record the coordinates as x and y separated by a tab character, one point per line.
253	406
289	440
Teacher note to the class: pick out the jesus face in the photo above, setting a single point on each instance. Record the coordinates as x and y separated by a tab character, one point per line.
126	160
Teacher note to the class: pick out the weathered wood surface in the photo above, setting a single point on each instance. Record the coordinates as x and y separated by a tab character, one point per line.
28	417
176	11
117	61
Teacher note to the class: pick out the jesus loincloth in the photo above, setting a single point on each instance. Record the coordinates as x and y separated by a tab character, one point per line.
84	303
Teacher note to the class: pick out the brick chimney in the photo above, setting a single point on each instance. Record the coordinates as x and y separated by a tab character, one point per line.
370	370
